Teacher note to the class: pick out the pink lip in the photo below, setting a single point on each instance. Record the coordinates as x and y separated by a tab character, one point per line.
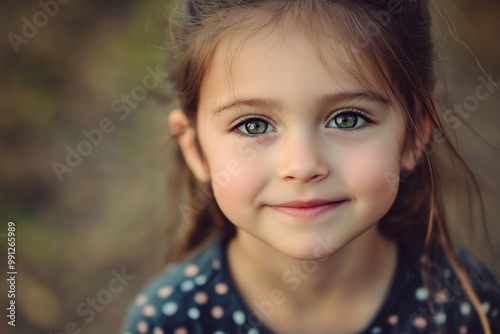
306	209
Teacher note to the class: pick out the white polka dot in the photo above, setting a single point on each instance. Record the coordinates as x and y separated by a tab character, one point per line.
219	332
253	331
239	317
447	272
193	313
169	308
486	307
187	285
200	279
494	313
440	317
141	300
377	330
465	308
421	294
165	292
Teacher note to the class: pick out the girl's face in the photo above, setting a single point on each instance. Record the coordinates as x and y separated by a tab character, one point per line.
295	154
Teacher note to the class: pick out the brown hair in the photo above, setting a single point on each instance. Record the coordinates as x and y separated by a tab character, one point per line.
393	36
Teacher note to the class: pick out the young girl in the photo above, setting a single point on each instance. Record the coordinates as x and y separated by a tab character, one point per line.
311	146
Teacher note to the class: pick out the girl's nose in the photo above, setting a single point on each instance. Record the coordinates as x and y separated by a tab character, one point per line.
302	160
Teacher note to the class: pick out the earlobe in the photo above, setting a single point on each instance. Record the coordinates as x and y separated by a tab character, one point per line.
186	137
411	158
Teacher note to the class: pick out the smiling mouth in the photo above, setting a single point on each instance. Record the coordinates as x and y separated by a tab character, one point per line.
310	209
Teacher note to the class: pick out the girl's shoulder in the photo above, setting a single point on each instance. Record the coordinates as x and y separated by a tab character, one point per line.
480	276
443	301
193	296
198	296
486	286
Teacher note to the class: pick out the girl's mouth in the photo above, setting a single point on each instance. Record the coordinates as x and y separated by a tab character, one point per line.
307	209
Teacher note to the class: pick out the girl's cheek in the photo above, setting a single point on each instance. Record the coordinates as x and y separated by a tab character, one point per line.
375	170
236	177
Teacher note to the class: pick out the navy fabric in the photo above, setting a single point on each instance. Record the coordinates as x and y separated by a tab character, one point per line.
198	296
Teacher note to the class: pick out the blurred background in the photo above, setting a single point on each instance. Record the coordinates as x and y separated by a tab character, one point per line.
93	71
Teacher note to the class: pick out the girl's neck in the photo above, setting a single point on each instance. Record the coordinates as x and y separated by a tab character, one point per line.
362	270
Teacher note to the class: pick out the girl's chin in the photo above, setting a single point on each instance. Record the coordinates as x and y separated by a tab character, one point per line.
316	250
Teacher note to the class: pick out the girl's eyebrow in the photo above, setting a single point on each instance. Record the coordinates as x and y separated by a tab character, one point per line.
263	103
366	96
325	100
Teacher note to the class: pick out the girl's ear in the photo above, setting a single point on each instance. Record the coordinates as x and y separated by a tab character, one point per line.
186	137
411	157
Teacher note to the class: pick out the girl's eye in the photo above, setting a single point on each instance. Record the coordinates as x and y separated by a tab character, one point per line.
254	126
347	120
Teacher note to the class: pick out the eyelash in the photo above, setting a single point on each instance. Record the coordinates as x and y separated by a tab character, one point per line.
353	111
247	119
350	111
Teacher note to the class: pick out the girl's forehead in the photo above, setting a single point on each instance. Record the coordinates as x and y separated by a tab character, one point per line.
238	55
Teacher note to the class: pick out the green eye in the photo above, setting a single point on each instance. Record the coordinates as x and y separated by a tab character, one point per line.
254	126
347	120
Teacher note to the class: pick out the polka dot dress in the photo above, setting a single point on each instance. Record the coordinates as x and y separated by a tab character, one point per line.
198	296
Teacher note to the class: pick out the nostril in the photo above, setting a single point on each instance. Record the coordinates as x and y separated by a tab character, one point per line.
303	165
315	177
